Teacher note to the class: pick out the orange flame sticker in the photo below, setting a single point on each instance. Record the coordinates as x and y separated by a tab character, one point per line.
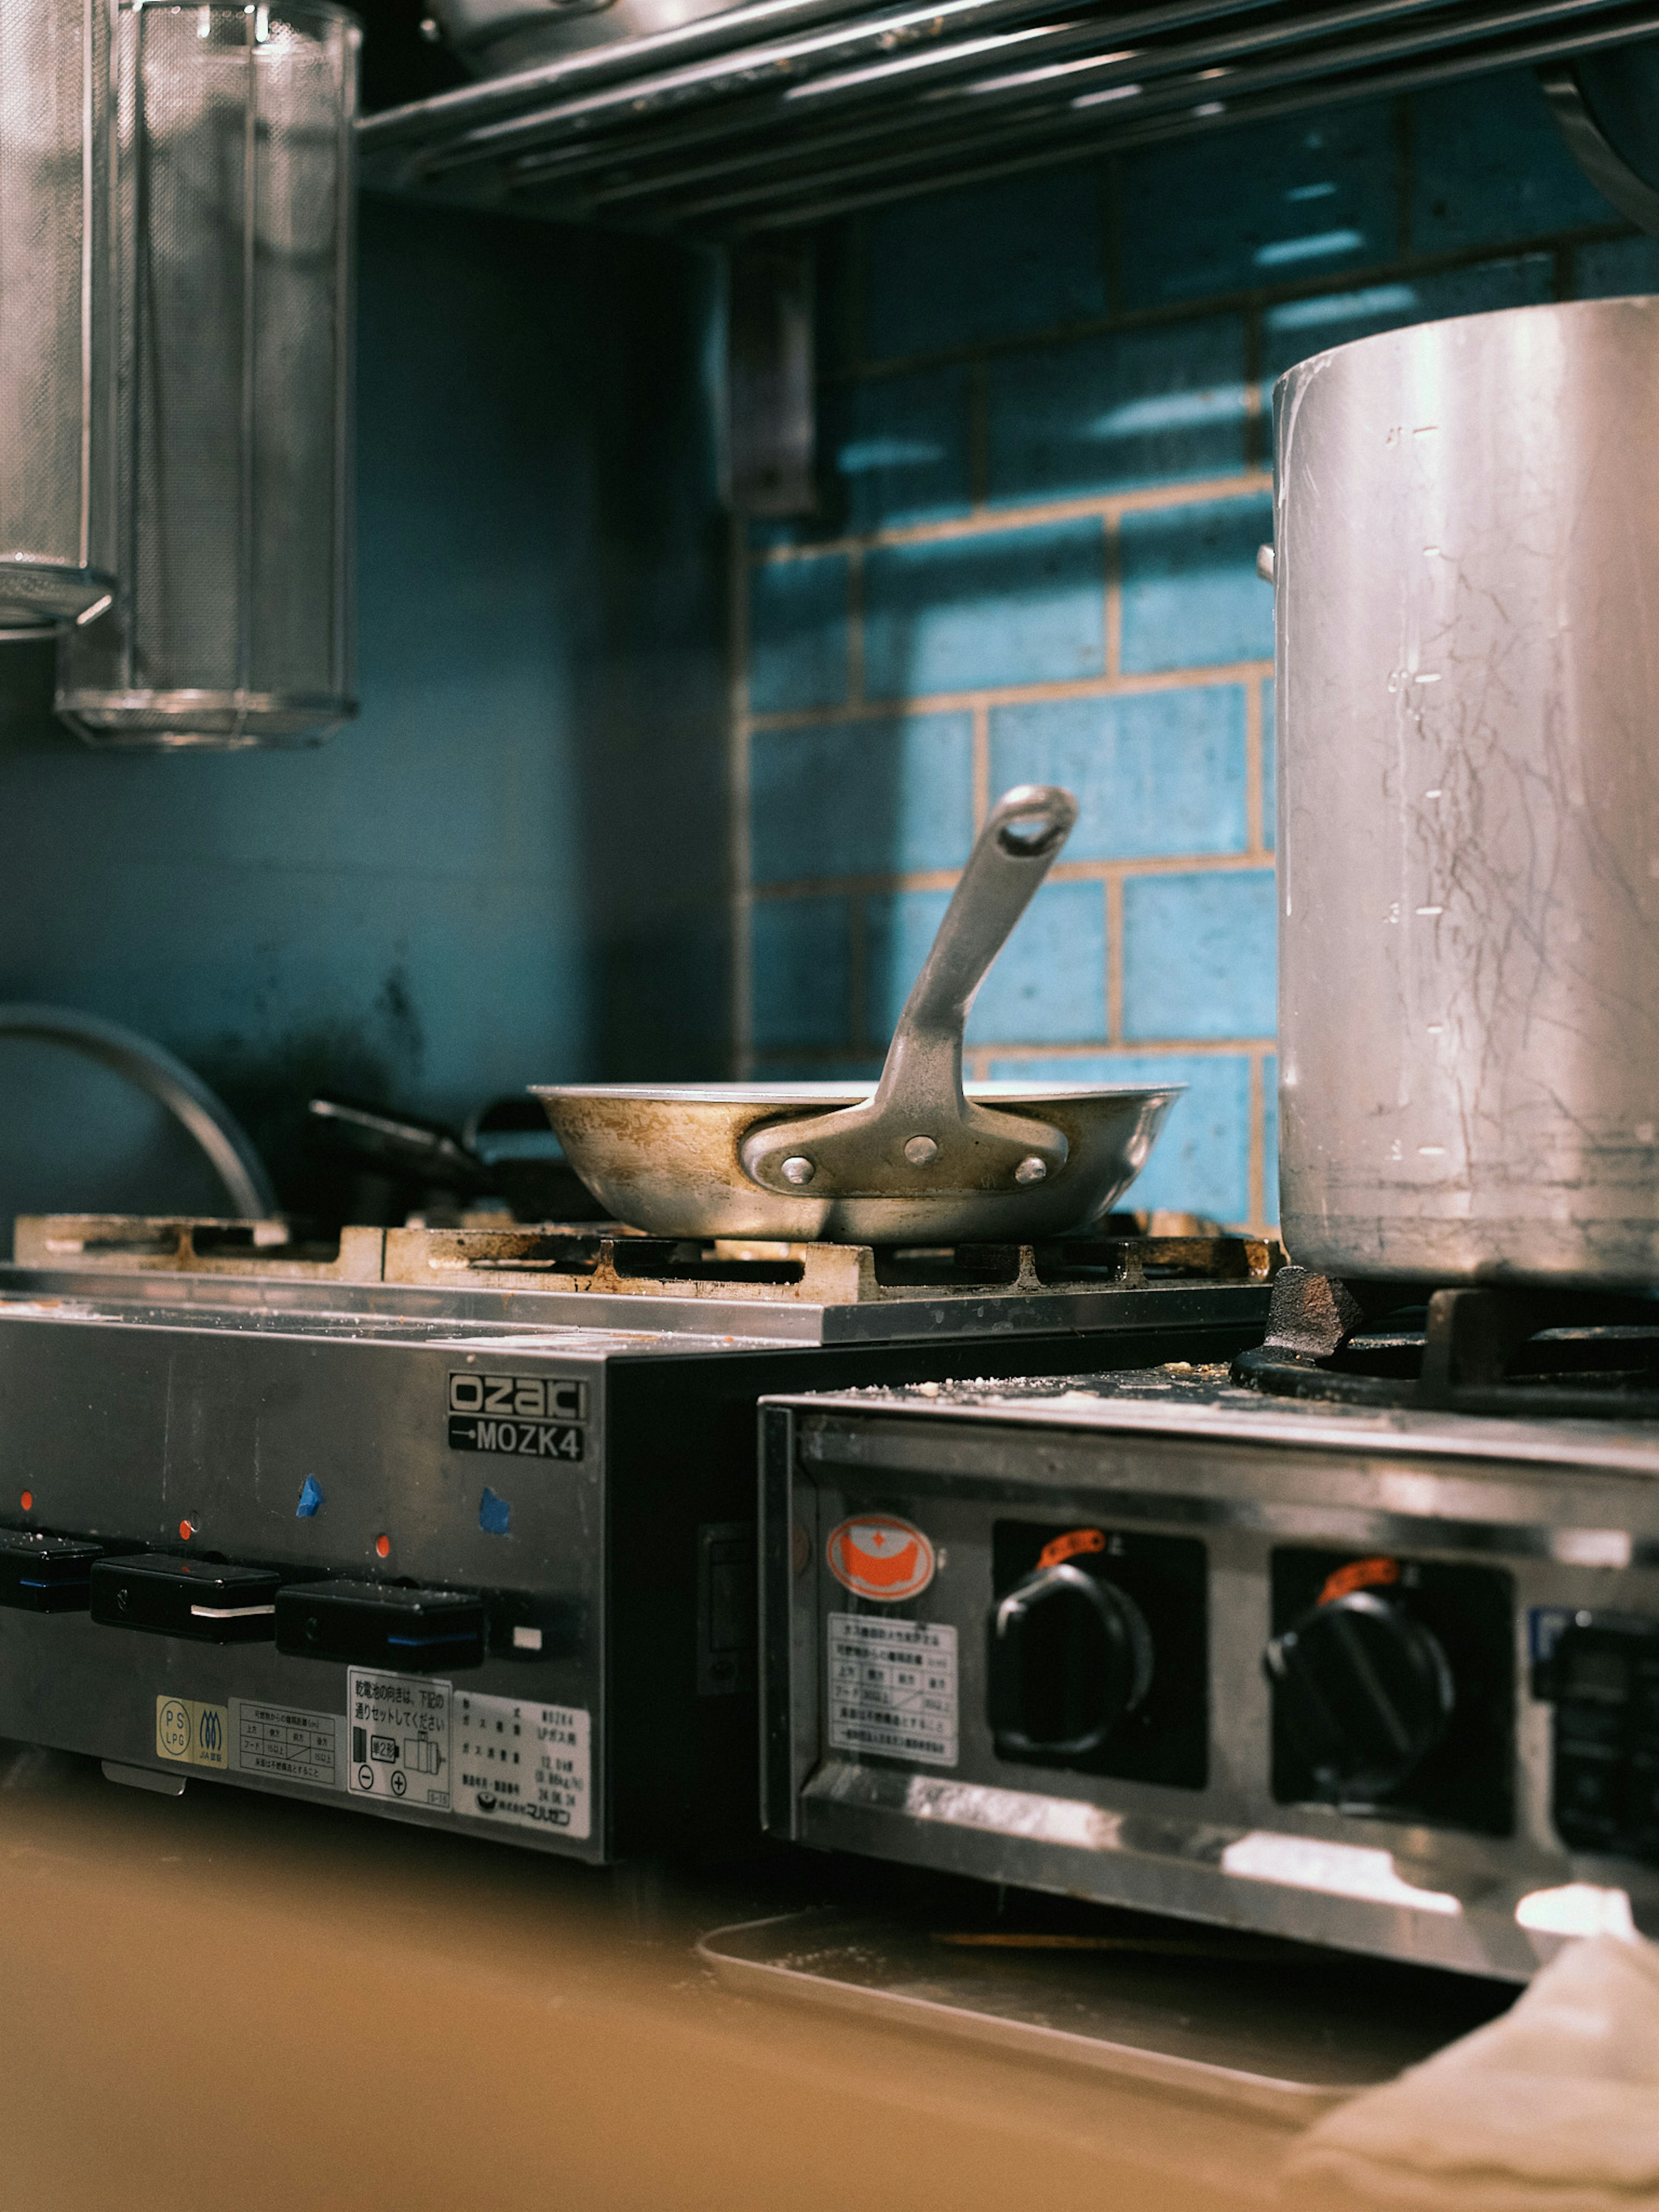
876	1555
1358	1575
1061	1548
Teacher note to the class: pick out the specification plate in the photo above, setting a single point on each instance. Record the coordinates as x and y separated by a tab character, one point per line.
287	1744
893	1688
529	1765
399	1729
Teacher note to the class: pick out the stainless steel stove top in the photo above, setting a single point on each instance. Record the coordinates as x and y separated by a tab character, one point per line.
554	1275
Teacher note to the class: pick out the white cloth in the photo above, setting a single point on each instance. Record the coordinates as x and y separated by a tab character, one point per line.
1552	2108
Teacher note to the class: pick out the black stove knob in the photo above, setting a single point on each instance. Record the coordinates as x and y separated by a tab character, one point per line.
1070	1657
1362	1690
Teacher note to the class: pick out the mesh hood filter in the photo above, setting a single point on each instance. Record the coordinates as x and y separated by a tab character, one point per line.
56	508
232	624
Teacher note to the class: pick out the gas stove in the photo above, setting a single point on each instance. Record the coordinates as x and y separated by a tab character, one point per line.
1365	1668
456	1526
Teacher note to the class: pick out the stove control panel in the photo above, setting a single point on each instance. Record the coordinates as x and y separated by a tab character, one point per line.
1098	1655
1604	1675
1393	1687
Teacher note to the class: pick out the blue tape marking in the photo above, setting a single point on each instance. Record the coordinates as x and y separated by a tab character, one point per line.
494	1513
424	1642
310	1499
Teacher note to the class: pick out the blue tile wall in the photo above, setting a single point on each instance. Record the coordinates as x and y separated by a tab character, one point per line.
898	448
1260	206
1192	598
1136	407
1154	772
1199	956
798	635
1094	346
1048	986
1027	255
803	966
1296	328
431	908
1201	1160
1493	168
1614	267
861	798
955	614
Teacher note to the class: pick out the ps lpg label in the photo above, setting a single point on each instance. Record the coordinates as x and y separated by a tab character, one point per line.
399	1747
528	1766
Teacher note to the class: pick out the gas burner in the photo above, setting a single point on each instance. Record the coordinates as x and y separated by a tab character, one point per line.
1515	1350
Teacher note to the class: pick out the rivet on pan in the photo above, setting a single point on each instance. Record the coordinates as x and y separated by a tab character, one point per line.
1031	1169
798	1168
921	1151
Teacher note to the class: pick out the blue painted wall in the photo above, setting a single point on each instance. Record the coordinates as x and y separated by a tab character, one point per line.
514	865
1045	425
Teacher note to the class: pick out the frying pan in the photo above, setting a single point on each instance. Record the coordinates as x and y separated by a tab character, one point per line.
926	1160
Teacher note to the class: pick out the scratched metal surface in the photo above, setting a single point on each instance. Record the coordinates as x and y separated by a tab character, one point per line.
1467	541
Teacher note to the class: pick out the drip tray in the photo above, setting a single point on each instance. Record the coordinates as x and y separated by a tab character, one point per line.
1281	2028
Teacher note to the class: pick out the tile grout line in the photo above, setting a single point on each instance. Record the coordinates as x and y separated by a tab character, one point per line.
1219	306
1063	871
1127	685
981	764
1257	1171
980	521
1253	811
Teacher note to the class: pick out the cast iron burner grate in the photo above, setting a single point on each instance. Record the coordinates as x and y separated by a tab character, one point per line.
1508	1350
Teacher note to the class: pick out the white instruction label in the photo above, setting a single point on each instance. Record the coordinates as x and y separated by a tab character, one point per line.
527	1764
893	1688
287	1744
400	1747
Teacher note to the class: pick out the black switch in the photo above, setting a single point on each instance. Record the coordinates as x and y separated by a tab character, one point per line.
408	1631
203	1600
46	1574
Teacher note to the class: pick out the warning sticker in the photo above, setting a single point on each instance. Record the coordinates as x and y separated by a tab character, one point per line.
893	1688
193	1734
288	1745
399	1745
527	1764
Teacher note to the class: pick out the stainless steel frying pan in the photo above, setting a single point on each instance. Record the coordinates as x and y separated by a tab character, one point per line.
926	1160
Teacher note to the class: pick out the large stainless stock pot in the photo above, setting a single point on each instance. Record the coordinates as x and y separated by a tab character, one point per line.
1467	575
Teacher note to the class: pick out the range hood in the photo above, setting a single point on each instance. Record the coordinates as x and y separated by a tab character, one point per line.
771	115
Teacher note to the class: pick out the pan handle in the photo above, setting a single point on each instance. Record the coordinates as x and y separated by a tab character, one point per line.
920	1133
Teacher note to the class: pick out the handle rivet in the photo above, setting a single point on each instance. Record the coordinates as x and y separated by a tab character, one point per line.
921	1151
1031	1169
798	1168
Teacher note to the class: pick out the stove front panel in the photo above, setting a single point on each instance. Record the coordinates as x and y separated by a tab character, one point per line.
323	1451
1038	1655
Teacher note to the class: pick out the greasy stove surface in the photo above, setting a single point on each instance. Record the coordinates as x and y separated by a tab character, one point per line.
1203	1400
609	1278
